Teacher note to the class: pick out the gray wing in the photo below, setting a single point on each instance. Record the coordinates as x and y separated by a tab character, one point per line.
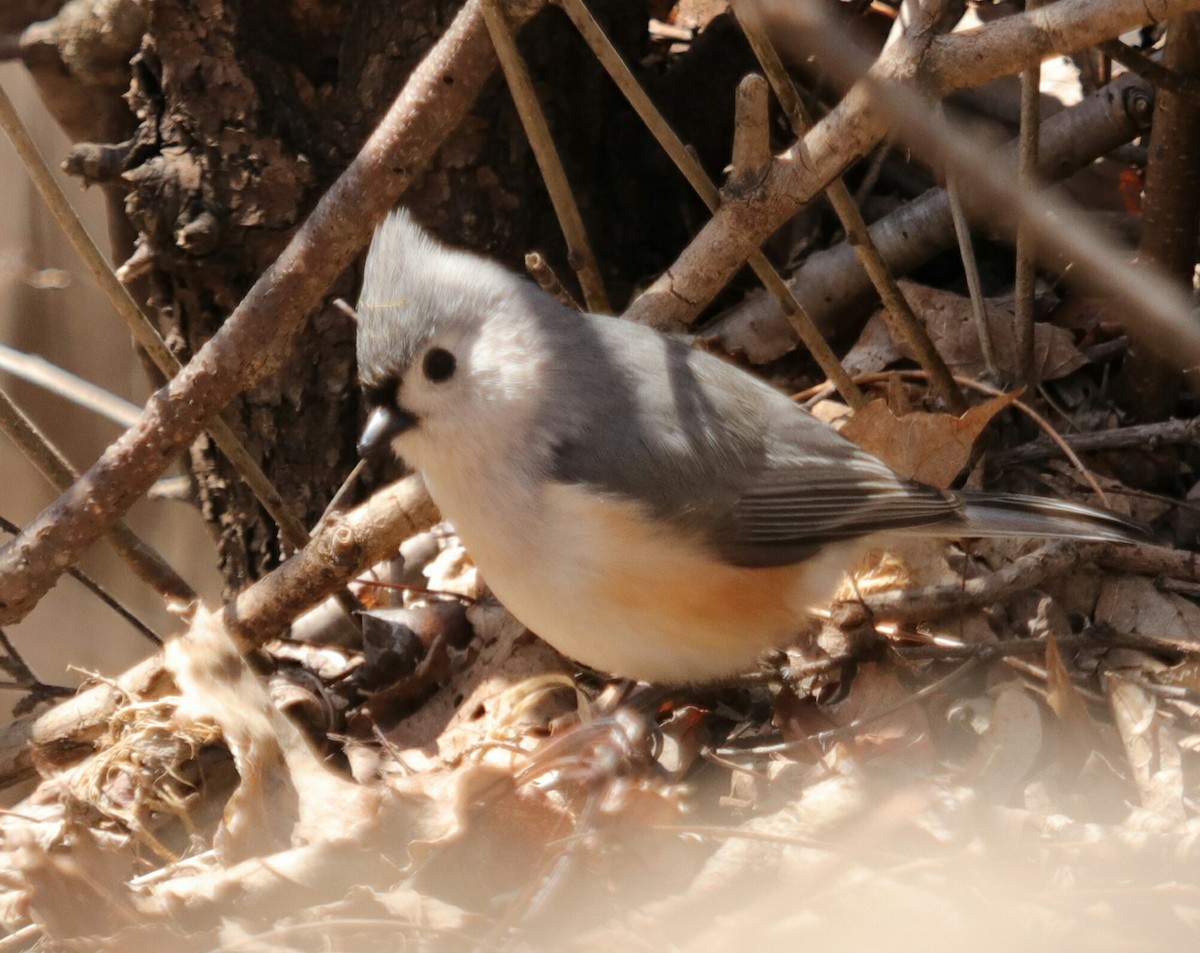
801	500
719	454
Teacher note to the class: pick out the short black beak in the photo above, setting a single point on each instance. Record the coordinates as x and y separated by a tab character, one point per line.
383	426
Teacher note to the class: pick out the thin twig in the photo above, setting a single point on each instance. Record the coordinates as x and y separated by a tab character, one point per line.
751	135
861	119
83	393
15	665
98	591
1048	428
942	599
874	170
902	321
147	564
1026	263
1147	560
537	131
1141	436
257	336
966	252
1029	571
540	271
135	319
1152	71
688	164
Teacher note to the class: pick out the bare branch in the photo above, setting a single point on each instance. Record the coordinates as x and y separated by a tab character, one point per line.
855	126
903	323
346	545
537	131
911	235
343	546
135	319
751	134
1143	436
690	166
145	561
256	337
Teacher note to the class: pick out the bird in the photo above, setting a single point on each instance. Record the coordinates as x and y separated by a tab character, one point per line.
649	509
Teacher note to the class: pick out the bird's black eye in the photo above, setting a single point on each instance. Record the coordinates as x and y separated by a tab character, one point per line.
438	365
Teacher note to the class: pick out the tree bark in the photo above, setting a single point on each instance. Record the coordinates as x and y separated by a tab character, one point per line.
235	116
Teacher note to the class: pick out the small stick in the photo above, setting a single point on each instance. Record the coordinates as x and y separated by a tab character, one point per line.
687	163
539	269
537	131
1118	438
904	323
1026	264
40	372
966	249
135	319
98	591
751	134
1150	70
942	599
869	180
146	563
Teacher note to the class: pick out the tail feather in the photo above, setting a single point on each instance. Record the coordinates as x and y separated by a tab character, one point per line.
1009	514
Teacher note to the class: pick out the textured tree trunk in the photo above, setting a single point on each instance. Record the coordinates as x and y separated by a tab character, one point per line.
233	116
1150	378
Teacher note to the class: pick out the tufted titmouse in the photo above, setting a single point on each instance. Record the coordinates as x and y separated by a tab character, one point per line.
645	507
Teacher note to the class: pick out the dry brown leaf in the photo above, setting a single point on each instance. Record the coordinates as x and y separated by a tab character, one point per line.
1153	755
877	720
950	322
512	669
932	448
285	789
1135	604
1080	731
1010	744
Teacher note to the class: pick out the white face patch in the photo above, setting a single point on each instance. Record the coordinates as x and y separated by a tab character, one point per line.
488	408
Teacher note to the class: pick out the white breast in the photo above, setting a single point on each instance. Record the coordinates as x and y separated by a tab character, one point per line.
605	586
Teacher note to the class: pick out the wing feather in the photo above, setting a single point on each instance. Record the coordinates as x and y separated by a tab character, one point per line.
795	504
720	455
